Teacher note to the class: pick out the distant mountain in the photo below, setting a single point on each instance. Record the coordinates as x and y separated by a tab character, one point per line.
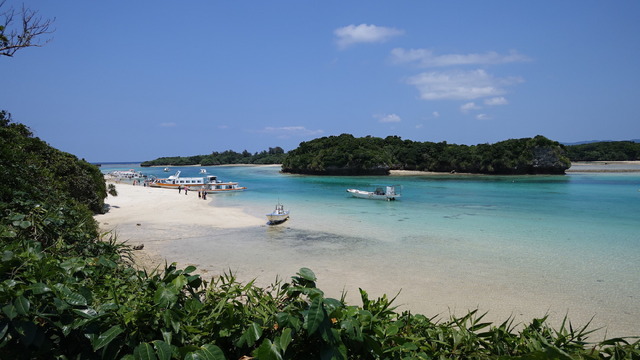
596	141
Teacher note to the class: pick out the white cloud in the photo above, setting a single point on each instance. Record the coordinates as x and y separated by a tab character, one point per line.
459	85
387	118
363	33
290	131
483	117
168	124
435	114
496	101
426	58
469	106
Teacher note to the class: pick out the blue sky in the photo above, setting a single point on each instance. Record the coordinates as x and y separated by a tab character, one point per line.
137	80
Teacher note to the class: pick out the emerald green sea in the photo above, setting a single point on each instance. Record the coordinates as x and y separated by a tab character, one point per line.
510	245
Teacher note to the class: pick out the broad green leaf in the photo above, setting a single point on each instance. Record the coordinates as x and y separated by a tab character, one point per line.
71	297
39	288
165	296
163	350
106	337
392	330
208	352
144	351
267	351
22	305
315	317
179	282
285	339
86	313
189	269
307	274
10	311
251	335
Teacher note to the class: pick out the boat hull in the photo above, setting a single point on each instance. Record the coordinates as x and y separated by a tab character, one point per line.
372	195
277	218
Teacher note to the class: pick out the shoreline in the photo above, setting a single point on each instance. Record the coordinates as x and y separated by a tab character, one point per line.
179	228
576	167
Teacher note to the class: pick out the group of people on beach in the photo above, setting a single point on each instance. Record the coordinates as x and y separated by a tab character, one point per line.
202	194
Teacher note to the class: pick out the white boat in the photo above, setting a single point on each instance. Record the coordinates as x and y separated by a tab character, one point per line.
223	187
166	169
385	192
203	171
209	183
278	215
127	174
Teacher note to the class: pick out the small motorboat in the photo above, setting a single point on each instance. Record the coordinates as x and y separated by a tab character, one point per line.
279	215
385	192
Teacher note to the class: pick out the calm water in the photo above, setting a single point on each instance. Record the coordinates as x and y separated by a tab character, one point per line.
577	235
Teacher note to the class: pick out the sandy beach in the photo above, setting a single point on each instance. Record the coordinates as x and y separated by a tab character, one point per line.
174	227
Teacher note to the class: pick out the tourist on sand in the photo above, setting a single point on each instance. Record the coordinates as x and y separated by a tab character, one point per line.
179	189
186	188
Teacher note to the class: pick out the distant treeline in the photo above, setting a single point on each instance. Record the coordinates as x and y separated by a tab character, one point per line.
605	151
348	155
272	156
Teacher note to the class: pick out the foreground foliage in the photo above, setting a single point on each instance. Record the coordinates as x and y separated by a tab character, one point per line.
68	292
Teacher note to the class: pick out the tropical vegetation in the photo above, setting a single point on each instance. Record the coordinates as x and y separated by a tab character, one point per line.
272	156
68	291
348	155
605	151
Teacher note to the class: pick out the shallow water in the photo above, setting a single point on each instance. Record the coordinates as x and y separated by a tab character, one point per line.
511	245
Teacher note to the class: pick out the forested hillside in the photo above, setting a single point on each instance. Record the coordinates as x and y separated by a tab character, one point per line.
347	155
272	156
605	151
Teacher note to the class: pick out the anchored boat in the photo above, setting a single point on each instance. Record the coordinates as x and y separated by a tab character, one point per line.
209	183
384	192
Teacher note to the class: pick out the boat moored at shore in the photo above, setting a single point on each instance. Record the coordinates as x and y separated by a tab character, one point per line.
223	187
279	215
384	192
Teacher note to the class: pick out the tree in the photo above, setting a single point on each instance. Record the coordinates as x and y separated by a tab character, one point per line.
16	34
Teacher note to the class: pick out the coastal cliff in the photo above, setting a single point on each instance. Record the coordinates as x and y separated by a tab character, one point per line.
348	155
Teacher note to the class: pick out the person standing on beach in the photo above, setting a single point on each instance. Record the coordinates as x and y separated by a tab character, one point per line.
179	189
186	188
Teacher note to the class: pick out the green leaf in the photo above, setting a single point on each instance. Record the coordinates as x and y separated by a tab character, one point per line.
285	339
163	350
392	330
22	305
106	337
39	288
165	296
208	352
307	274
267	351
251	335
86	313
315	317
144	351
10	311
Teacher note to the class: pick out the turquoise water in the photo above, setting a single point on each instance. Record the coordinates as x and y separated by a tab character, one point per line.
503	240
